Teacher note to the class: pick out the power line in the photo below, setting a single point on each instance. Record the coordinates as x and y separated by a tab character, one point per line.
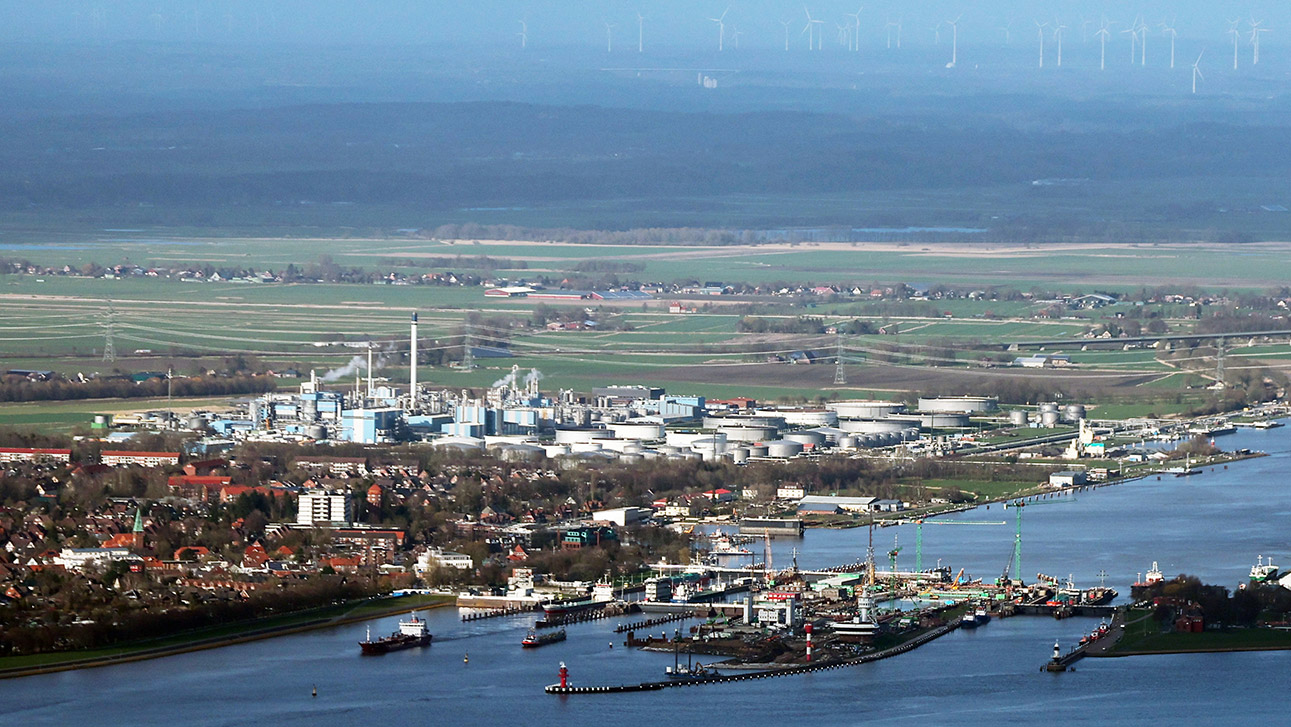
110	325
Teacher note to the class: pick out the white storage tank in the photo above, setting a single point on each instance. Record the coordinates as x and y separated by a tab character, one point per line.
860	409
847	442
739	455
784	449
556	450
644	431
933	420
1074	412
576	435
873	426
684	439
808	417
748	433
812	439
1049	419
758	450
959	404
1018	418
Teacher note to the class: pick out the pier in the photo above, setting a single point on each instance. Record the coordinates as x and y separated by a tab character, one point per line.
495	613
564	688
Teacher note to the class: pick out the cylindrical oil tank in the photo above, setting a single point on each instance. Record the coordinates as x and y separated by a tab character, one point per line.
521	452
195	423
910	434
814	439
758	450
748	433
666	449
632	430
872	426
1074	412
868	440
316	431
783	448
709	445
1049	406
1049	419
847	442
575	435
865	409
942	420
651	454
809	417
1018	418
831	434
556	450
690	455
632	448
631	457
739	455
960	404
752	420
683	439
582	447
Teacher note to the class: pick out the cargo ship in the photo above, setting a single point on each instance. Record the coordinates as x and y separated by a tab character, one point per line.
411	633
1153	577
533	639
602	594
1262	572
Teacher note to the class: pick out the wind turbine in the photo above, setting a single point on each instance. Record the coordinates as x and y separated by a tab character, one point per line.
640	32
735	37
1057	34
524	34
936	33
889	28
1143	45
1133	30
856	26
1040	32
1007	35
954	41
721	28
1170	31
1084	29
786	23
1102	43
1237	38
609	37
1256	30
1196	72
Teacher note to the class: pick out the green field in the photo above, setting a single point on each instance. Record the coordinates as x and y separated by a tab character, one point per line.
60	322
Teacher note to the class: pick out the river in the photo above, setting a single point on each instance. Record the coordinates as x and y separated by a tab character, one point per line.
1212	525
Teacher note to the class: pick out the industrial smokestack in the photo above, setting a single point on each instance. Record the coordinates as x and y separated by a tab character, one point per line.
412	360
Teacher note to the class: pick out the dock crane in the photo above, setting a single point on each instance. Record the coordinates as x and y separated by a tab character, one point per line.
1018	505
918	535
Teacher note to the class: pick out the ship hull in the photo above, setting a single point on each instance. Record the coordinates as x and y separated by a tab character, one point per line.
384	646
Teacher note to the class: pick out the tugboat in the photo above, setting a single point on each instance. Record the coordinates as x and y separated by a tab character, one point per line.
411	633
533	639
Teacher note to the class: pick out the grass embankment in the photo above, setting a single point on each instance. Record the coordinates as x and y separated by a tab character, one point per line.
222	635
1143	636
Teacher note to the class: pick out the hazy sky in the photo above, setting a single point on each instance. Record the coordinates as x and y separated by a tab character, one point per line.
582	22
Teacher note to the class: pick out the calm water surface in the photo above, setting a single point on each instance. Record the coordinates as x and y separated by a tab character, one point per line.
1212	525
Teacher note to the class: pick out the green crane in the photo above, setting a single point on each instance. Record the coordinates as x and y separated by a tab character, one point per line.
1017	537
918	535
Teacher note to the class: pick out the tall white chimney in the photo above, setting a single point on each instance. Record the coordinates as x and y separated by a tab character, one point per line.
412	362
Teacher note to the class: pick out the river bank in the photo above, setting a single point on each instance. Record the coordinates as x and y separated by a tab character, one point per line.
29	665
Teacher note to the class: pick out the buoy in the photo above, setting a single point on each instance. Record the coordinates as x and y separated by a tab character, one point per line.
466	658
315	694
611	644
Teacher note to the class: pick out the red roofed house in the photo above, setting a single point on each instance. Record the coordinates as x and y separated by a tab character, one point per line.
197	486
374	495
254	556
205	466
721	494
